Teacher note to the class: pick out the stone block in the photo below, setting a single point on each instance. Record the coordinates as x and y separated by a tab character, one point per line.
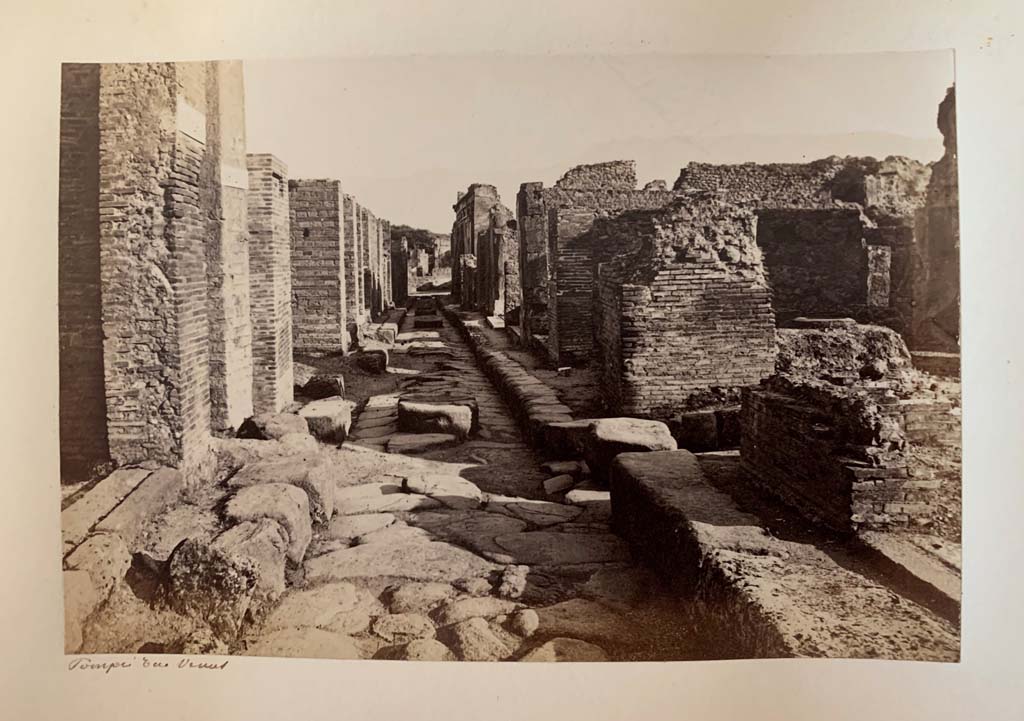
281	502
79	518
608	437
412	443
329	419
436	417
695	431
271	426
324	386
566	439
263	544
150	498
302	471
372	360
207	584
105	557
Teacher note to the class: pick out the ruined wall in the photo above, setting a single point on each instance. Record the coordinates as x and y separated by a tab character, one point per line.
83	411
153	263
366	286
497	259
223	190
385	263
319	316
824	262
353	261
828	433
683	314
936	293
270	275
602	188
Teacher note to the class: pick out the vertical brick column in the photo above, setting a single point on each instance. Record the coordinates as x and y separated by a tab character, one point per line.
153	264
271	283
367	278
223	191
319	317
399	271
83	405
353	249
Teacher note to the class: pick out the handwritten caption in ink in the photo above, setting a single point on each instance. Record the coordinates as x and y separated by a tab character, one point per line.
83	663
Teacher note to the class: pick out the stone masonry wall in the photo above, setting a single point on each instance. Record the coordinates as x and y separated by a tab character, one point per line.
399	271
319	317
224	185
472	217
684	315
153	264
83	410
270	274
367	282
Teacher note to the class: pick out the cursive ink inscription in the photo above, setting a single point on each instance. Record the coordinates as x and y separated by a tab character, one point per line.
84	663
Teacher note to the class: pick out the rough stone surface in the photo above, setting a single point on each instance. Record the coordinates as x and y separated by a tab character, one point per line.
559	484
297	471
104	557
427	417
467	608
403	627
271	426
608	437
410	443
324	386
421	649
359	525
566	649
281	502
419	597
262	543
206	583
378	498
474	640
431	561
453	491
341	607
524	622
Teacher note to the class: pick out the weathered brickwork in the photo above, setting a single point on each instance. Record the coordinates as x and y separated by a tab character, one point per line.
319	315
353	261
498	264
83	411
888	193
223	186
684	316
270	274
385	263
153	263
367	272
830	434
551	303
936	292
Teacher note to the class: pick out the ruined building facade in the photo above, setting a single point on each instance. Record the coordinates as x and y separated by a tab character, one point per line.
189	271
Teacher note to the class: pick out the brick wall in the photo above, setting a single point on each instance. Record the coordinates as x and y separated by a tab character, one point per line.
319	317
271	282
936	292
153	264
367	282
223	188
385	263
472	217
683	312
353	261
532	224
83	411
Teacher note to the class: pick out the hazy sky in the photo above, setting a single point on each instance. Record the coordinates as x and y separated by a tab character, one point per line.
404	134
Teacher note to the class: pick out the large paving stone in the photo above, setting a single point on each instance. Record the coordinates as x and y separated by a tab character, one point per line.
453	491
420	649
304	643
411	443
608	437
264	544
588	620
150	498
294	470
379	498
284	503
566	649
431	561
329	419
271	426
566	439
475	530
395	533
342	607
537	513
360	525
550	548
464	609
418	596
402	627
475	640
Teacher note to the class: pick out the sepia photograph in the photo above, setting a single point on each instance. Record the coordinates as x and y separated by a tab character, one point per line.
557	358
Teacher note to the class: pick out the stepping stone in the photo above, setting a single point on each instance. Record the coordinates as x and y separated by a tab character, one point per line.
411	443
431	561
566	649
272	426
329	419
376	434
427	321
608	437
383	401
419	415
453	491
550	548
412	335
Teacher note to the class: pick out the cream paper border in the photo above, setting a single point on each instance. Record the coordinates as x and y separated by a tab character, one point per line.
38	35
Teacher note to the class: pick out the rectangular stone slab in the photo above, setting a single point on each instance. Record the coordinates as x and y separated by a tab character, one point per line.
77	519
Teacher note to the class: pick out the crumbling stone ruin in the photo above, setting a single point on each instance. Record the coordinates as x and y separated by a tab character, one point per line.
730	408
